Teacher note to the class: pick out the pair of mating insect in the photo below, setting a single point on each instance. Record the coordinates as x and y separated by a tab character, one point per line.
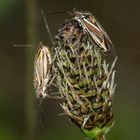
43	60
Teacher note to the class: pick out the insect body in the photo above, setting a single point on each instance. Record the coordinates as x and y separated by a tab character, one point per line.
42	73
97	33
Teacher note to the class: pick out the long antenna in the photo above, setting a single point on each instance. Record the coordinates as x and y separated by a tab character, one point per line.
60	12
47	27
57	12
22	45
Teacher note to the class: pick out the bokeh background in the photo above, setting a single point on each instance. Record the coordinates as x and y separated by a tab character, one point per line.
22	23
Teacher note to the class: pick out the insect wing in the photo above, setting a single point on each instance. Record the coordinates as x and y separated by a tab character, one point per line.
97	33
42	70
108	42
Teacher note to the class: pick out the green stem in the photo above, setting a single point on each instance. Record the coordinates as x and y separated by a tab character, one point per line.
100	137
31	37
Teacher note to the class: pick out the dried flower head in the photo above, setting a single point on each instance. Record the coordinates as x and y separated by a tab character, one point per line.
84	79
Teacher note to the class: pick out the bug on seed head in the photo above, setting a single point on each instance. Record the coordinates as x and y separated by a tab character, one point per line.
90	25
42	74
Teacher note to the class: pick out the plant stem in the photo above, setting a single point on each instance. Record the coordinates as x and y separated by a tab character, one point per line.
32	14
100	137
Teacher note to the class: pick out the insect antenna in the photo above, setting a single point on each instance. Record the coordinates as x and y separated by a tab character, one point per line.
47	27
46	23
60	12
57	12
22	45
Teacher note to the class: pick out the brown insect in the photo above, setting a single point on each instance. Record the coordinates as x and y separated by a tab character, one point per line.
92	26
42	73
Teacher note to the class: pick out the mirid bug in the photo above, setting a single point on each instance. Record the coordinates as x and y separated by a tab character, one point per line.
94	29
42	74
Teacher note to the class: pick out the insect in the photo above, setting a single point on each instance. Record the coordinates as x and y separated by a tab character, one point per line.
97	33
42	74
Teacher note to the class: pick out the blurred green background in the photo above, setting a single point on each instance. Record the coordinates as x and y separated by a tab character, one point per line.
21	23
